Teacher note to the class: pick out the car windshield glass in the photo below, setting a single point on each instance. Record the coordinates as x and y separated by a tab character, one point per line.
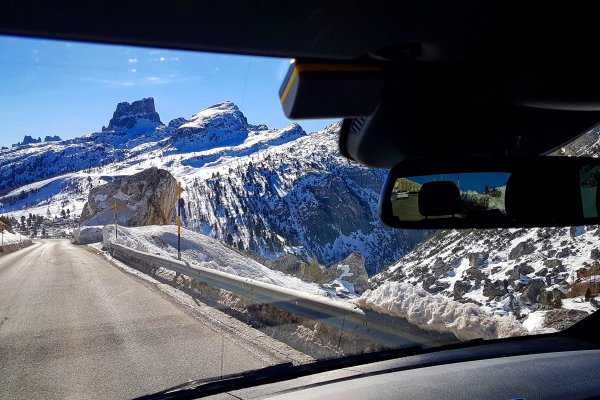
162	221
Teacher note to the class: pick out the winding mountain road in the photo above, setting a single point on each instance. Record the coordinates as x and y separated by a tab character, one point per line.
74	326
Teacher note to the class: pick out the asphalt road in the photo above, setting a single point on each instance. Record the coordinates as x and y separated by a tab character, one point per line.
74	326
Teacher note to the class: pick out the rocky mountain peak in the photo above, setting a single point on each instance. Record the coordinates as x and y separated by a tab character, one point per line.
220	123
140	114
294	129
177	122
28	140
225	113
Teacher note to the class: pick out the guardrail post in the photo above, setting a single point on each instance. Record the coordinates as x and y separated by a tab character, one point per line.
116	223
179	220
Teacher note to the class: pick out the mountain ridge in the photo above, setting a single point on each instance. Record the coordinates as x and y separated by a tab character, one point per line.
244	184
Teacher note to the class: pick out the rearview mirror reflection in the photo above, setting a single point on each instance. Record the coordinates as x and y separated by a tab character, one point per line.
506	192
449	196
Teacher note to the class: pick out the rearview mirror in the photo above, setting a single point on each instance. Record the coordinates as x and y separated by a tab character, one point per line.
492	193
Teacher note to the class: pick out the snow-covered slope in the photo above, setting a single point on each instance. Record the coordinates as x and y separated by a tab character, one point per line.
11	238
203	251
267	190
526	273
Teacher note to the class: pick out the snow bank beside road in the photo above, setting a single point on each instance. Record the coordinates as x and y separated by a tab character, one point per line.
12	238
12	242
438	313
203	251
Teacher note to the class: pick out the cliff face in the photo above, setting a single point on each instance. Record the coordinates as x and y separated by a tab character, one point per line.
129	116
146	198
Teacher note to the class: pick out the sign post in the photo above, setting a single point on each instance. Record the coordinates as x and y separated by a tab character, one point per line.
116	224
179	220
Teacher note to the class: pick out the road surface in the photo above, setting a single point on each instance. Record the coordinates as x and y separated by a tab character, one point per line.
74	326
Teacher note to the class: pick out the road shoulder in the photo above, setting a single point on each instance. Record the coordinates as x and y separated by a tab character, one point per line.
258	343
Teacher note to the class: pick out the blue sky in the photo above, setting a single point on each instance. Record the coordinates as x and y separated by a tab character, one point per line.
69	89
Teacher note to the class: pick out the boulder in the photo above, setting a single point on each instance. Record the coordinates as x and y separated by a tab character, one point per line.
532	292
564	252
440	268
495	289
595	254
521	249
476	274
461	288
146	198
87	235
428	281
520	270
431	284
553	263
477	259
495	270
352	269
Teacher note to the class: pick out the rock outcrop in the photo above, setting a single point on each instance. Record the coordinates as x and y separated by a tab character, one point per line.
139	114
28	140
351	269
146	198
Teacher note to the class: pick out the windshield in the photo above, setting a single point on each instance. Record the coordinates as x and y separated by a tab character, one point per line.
161	221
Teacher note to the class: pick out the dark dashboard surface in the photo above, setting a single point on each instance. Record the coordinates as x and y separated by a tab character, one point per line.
537	367
563	375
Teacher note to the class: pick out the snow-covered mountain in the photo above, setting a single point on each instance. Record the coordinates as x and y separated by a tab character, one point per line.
267	190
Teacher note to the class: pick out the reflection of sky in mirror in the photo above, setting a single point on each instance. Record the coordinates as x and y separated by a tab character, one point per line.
476	181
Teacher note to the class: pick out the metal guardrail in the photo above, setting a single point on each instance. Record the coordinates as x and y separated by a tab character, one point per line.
384	330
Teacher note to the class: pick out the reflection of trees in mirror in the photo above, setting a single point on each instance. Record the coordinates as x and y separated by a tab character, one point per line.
491	200
472	200
406	185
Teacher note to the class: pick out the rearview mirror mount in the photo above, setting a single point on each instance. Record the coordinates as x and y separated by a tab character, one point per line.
501	192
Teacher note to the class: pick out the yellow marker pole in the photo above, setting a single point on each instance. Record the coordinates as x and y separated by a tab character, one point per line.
179	221
116	223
